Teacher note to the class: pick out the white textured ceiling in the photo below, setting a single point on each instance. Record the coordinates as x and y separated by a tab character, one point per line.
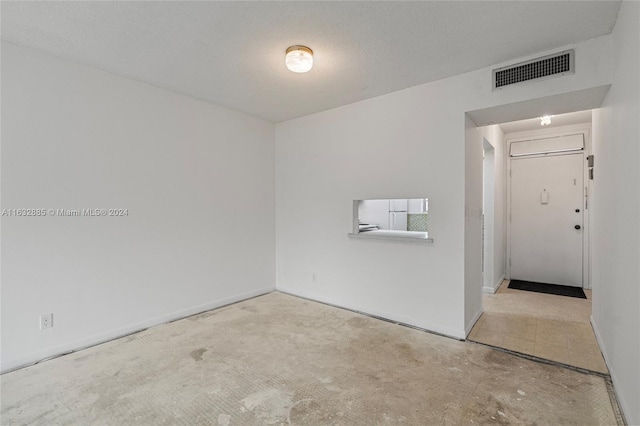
232	53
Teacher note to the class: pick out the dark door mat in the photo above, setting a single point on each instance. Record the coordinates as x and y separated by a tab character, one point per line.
560	290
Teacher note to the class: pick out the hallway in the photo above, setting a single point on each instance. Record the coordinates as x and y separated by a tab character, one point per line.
546	326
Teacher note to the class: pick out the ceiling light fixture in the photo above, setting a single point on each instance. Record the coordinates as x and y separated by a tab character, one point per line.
545	120
299	58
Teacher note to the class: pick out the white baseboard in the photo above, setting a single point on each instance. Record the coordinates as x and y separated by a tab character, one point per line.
624	406
496	286
436	328
471	323
52	352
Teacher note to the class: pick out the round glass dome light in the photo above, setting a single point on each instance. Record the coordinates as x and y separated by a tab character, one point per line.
299	59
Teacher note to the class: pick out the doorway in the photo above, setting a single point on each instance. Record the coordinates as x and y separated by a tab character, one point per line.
543	185
546	214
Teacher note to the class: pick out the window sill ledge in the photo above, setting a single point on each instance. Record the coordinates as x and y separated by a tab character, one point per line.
407	236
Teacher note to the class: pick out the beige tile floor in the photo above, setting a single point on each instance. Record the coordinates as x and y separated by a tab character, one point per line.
552	327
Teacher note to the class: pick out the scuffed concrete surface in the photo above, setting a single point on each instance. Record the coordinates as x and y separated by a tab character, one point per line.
280	360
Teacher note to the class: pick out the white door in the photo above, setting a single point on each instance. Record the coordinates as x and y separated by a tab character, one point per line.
547	219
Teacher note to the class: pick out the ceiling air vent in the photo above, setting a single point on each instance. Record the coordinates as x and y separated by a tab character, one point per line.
536	69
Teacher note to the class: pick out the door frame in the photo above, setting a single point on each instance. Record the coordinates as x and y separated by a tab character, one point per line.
585	130
488	216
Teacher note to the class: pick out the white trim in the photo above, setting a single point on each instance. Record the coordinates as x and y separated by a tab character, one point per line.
458	334
52	352
585	130
625	407
404	236
557	151
496	286
471	323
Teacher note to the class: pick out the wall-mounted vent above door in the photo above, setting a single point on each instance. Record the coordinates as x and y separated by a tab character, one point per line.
536	69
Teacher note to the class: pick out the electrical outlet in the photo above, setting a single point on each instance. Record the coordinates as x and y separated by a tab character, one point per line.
46	321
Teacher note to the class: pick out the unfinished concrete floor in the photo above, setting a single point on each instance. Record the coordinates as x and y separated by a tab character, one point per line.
548	326
277	359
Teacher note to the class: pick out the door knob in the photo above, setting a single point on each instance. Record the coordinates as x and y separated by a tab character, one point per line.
577	210
577	226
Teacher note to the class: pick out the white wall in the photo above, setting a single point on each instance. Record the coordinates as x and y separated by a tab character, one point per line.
488	189
495	262
198	181
325	161
473	224
405	144
616	215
